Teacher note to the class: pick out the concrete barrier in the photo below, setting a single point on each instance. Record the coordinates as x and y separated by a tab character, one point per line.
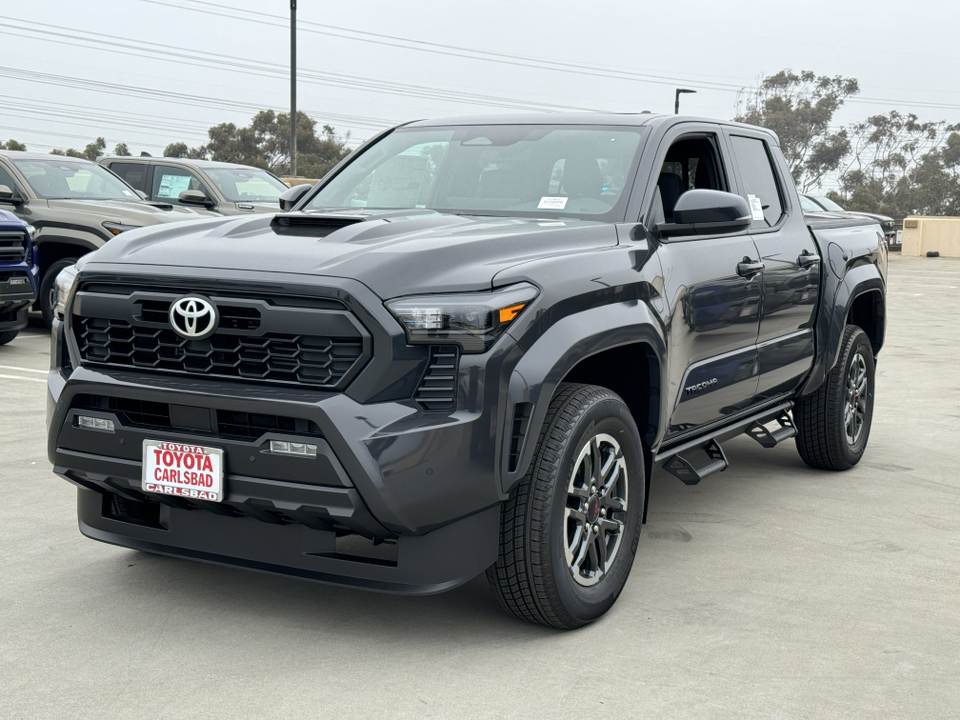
923	234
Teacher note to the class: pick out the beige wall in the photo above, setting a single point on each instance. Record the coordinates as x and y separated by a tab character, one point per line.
932	233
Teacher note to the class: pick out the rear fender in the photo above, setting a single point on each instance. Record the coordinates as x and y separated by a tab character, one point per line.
551	358
834	313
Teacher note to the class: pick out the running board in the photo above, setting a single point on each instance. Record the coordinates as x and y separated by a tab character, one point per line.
690	474
770	439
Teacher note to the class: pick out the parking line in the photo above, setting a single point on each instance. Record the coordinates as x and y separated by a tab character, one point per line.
23	369
17	377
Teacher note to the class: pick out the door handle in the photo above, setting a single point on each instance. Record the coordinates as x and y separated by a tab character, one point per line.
748	267
807	259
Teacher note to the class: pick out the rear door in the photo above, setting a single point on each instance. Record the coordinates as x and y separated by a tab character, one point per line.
791	273
713	314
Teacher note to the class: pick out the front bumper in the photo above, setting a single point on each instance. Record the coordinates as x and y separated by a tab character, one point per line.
18	291
424	484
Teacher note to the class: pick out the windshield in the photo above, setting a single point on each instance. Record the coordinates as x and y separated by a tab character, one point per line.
247	185
808	205
73	179
519	170
827	204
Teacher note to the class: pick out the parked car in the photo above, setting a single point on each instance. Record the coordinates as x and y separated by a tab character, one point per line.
75	206
465	351
18	275
821	203
221	188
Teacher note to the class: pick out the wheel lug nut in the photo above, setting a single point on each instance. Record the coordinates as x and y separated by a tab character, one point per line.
596	529
603	512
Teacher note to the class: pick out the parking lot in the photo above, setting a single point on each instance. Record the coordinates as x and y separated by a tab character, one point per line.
770	590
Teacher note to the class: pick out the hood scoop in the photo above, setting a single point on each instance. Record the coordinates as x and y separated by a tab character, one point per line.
312	225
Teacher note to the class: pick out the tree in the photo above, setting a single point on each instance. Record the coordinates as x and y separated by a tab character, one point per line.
69	153
180	150
900	166
122	150
265	143
13	145
799	109
95	149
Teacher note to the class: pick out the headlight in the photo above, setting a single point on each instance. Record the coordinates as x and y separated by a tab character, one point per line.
474	321
65	282
116	228
31	231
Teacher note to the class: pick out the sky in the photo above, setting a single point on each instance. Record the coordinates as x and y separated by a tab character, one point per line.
151	72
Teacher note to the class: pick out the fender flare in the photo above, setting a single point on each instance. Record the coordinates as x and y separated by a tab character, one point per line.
832	322
554	354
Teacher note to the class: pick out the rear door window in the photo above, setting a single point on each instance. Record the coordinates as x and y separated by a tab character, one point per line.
169	182
135	174
760	186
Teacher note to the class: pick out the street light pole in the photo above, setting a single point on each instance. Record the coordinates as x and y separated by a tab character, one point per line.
293	88
676	100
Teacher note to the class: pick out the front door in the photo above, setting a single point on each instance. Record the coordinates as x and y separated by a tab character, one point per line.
791	273
713	303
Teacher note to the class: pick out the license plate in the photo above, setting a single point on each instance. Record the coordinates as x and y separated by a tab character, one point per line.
189	471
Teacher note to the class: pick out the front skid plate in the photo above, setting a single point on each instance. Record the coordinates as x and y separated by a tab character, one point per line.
426	564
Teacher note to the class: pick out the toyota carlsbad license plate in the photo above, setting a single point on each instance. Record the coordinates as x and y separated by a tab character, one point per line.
189	471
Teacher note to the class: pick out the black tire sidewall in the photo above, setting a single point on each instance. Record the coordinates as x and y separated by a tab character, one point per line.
610	416
47	284
859	342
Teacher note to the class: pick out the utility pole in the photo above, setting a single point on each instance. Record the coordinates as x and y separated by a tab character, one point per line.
676	100
293	88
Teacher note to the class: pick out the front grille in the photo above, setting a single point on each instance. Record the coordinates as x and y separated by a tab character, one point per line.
13	246
257	340
157	416
305	359
438	387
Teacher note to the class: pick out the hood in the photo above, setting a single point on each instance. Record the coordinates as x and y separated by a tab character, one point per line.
398	253
126	212
875	216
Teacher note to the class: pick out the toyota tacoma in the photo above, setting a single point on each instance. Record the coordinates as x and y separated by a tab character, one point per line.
465	351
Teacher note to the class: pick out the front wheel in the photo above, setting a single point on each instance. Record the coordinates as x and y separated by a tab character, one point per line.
570	530
8	336
48	289
833	423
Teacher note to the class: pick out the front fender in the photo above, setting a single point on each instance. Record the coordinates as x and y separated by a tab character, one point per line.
535	378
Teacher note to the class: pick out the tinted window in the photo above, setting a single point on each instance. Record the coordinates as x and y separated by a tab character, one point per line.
76	179
169	182
759	180
134	173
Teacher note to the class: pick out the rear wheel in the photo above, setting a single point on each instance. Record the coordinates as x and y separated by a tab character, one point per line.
48	289
8	336
833	423
569	532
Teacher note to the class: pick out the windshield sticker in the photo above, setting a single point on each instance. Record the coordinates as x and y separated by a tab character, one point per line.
552	203
756	208
172	185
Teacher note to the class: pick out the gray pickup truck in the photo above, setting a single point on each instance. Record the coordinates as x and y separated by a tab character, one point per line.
75	207
465	351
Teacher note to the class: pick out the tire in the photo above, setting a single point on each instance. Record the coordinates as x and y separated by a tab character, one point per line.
827	437
48	289
8	336
546	571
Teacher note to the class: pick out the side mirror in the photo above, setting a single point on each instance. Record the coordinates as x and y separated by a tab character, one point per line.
707	212
194	197
291	197
7	196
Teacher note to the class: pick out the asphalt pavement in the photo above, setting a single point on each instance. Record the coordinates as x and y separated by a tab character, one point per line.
768	591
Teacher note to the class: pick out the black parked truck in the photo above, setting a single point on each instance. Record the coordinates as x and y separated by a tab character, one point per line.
465	350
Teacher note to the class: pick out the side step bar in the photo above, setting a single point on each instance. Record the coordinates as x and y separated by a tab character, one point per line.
773	438
687	472
690	474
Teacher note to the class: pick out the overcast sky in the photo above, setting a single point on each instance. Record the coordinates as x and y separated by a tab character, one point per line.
149	72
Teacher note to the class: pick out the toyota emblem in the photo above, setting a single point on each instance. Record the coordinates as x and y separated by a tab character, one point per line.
193	317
